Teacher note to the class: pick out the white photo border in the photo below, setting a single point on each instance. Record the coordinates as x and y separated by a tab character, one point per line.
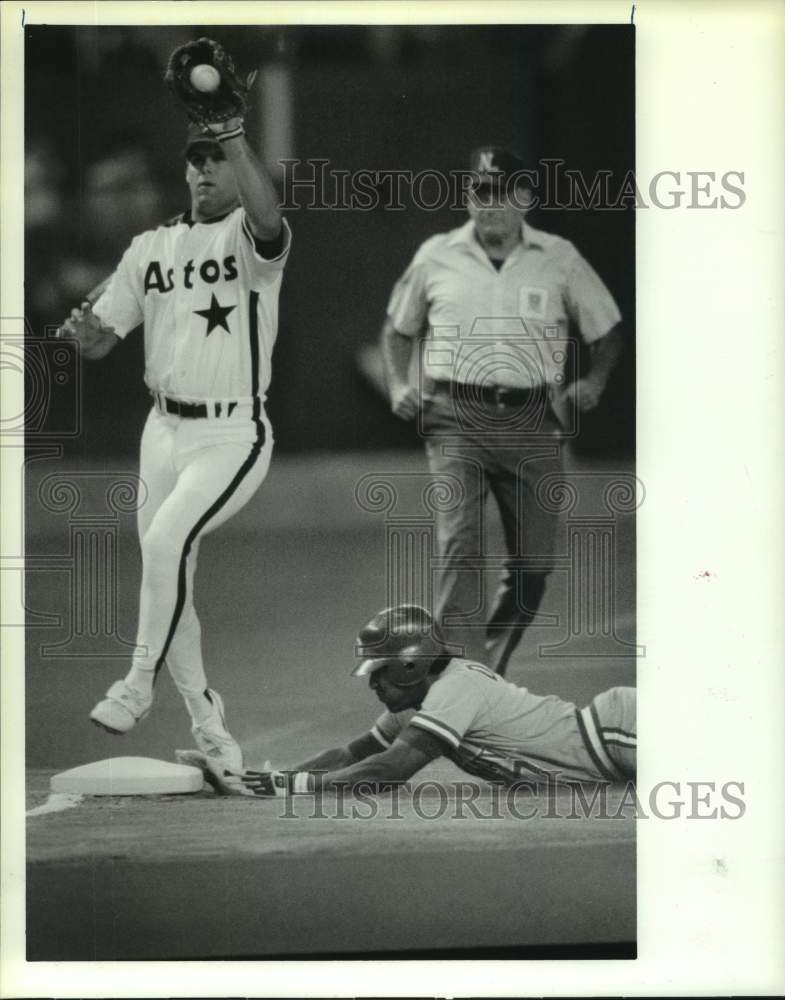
710	96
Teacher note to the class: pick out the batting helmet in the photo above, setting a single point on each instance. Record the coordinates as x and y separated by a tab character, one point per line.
401	639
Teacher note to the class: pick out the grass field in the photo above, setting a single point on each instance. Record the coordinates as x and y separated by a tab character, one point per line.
281	591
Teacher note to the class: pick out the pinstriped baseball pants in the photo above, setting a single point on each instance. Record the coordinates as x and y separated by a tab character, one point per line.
197	474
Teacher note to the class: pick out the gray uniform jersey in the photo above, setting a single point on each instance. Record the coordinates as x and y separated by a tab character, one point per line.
501	732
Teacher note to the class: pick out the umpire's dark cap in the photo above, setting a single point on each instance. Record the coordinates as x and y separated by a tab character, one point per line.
200	137
495	166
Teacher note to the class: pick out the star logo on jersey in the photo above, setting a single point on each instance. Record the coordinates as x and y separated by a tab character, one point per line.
215	315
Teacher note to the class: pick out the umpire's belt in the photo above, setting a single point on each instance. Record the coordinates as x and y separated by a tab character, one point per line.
492	395
194	411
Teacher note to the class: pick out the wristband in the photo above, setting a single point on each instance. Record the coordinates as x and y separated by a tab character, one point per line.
275	784
233	133
290	782
300	783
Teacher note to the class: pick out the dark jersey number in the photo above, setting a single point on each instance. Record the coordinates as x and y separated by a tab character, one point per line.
485	671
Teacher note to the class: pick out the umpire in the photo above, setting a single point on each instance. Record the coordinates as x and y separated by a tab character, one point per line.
491	304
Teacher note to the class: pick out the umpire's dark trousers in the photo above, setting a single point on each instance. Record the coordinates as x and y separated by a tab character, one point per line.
509	445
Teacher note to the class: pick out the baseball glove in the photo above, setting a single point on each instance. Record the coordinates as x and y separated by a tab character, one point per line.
228	100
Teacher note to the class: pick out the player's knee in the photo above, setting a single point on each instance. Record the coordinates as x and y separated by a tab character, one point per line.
462	539
159	548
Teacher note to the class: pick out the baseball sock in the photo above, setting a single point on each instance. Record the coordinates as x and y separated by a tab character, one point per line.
199	706
140	679
184	661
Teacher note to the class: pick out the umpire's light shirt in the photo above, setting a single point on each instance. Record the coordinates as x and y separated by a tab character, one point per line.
505	327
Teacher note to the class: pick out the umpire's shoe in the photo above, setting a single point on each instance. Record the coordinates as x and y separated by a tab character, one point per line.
214	739
121	709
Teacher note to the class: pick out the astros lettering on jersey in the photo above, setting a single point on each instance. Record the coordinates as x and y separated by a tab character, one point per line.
209	303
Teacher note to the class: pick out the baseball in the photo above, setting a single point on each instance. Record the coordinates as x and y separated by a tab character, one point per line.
205	78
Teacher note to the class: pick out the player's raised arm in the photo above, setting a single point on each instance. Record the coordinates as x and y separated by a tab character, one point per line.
254	184
203	77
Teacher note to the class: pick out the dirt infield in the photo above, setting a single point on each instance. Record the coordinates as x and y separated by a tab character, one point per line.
280	598
200	876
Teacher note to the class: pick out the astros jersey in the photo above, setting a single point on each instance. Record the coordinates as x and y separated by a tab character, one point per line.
209	303
506	327
501	732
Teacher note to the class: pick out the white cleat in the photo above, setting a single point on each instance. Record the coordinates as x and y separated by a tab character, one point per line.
121	709
214	739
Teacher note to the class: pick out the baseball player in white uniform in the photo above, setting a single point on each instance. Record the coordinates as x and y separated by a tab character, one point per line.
206	286
437	705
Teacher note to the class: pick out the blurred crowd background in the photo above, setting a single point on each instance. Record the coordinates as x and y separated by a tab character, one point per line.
103	146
